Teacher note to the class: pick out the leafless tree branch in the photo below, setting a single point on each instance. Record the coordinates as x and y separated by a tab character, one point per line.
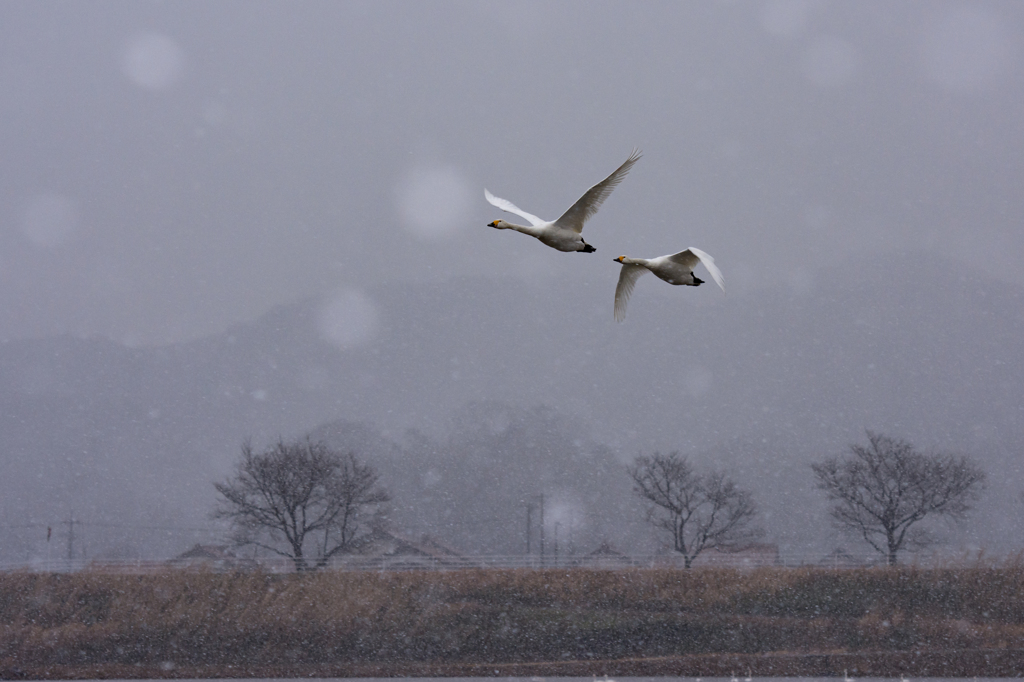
700	511
295	495
880	491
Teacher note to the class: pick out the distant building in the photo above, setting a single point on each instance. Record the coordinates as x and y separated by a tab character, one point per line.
840	558
605	556
750	556
388	550
212	557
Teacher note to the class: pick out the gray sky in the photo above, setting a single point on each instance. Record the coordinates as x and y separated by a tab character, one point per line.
169	169
280	207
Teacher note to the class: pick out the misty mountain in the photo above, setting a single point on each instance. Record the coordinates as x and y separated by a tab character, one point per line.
474	395
497	471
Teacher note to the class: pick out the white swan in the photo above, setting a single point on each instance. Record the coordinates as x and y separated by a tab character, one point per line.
564	234
674	269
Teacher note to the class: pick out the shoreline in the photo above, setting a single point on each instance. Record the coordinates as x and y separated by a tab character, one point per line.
916	664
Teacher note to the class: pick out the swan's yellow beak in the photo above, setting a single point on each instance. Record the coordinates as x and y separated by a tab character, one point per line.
493	223
619	259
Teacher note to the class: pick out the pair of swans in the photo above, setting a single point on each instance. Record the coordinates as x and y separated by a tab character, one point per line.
566	234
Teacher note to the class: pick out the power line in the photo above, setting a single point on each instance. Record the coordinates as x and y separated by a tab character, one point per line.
104	524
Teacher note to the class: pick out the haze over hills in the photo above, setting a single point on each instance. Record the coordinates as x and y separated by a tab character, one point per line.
474	394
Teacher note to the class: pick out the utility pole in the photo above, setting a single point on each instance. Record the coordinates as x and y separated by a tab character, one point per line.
542	529
529	525
71	537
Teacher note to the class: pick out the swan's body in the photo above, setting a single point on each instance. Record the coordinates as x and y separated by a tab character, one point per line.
564	234
674	269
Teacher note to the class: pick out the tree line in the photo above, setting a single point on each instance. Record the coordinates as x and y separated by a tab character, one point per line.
307	502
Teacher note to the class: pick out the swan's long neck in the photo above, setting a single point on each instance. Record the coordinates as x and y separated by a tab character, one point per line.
525	229
635	261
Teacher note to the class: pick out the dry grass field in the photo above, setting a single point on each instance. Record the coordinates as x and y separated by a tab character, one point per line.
879	621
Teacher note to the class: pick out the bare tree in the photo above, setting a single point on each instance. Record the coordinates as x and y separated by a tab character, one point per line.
301	497
882	490
701	511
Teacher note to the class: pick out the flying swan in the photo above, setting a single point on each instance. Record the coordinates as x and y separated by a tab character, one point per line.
564	234
674	269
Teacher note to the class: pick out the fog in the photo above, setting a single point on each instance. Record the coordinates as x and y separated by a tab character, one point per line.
237	220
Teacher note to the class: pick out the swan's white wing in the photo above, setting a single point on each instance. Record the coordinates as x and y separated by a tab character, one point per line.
587	205
506	205
688	259
692	256
624	289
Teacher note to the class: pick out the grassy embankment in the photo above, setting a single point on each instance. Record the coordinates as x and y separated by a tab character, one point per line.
938	622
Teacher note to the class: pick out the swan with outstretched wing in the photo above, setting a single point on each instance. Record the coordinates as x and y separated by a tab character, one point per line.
566	233
674	269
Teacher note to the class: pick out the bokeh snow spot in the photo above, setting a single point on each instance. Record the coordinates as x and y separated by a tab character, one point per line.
348	319
830	61
153	61
215	114
801	282
433	203
564	516
49	219
431	477
314	378
785	18
966	49
698	381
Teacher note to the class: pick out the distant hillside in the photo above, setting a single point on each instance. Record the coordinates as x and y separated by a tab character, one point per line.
760	380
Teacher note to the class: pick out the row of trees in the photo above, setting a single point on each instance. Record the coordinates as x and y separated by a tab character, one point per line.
879	492
309	503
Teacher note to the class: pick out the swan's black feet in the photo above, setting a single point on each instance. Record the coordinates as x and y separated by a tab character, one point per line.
587	248
697	281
